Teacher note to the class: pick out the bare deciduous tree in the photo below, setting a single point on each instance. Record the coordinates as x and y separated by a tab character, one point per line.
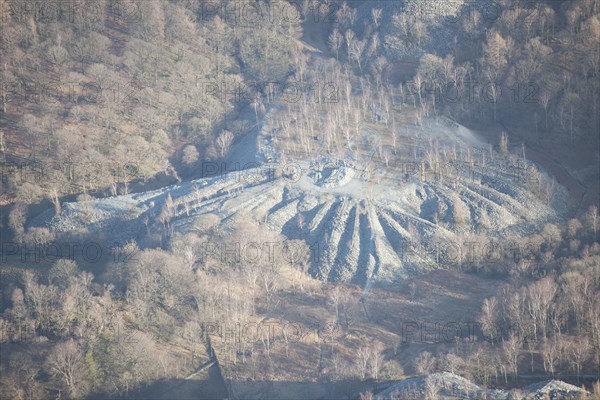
431	388
362	361
460	211
503	143
488	317
592	218
53	196
66	362
189	155
573	226
425	363
512	348
579	352
539	299
551	353
17	218
376	360
335	42
223	142
334	299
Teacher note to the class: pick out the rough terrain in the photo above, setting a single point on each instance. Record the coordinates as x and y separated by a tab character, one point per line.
360	213
444	385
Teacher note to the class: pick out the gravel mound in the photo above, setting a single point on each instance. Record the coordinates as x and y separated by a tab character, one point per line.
362	227
552	389
446	386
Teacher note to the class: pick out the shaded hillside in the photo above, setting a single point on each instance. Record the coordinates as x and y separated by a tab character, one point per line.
101	93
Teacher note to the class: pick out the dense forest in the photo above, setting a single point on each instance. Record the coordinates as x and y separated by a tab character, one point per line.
102	93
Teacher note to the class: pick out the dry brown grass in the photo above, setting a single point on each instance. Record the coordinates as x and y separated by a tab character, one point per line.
442	297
